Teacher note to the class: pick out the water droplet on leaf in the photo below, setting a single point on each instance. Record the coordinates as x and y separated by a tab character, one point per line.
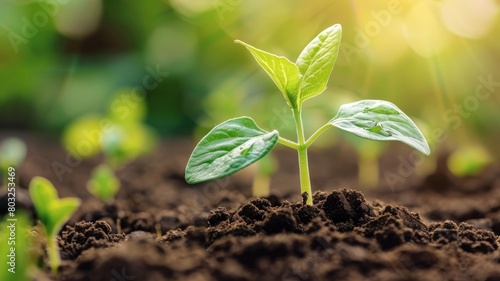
379	130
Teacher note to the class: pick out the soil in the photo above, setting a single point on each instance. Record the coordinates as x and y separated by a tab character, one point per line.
431	227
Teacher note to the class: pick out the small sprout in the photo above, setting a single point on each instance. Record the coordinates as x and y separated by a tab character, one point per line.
262	178
112	146
103	183
368	155
469	160
125	142
52	212
368	166
82	138
218	154
120	136
12	154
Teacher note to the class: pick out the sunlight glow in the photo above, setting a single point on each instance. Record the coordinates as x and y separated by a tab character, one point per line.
424	30
389	46
469	18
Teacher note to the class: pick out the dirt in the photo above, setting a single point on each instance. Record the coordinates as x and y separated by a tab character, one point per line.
434	227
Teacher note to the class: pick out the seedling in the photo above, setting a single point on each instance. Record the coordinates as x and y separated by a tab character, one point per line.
262	178
368	154
103	183
120	136
12	154
239	142
52	213
469	160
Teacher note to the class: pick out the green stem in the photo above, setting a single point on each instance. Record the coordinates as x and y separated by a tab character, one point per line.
368	172
305	182
54	255
288	143
260	186
317	134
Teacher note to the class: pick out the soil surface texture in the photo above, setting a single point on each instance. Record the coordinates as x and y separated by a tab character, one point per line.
432	226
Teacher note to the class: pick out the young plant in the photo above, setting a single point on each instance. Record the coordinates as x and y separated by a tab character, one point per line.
262	178
237	143
368	154
103	183
52	212
469	160
120	135
12	154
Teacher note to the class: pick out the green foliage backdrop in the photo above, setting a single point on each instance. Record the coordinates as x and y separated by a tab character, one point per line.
62	59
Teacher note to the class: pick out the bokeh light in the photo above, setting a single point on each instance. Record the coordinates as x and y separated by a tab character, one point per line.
77	19
66	60
469	18
424	30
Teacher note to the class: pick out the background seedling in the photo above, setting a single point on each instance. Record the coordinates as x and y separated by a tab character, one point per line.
262	178
237	143
123	143
469	160
120	135
103	183
368	153
12	154
52	213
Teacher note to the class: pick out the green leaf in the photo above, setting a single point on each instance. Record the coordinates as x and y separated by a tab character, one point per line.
283	72
380	120
52	211
103	183
82	138
42	193
60	212
316	62
228	148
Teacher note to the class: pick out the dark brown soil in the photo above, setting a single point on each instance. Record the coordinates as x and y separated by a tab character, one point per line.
159	228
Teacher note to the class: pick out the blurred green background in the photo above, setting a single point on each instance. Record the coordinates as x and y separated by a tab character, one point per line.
439	61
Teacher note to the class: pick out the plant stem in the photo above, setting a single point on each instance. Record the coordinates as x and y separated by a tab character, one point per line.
260	186
54	255
288	143
305	182
317	134
368	172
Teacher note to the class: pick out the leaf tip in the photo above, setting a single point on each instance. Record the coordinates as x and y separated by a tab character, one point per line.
37	180
77	201
427	150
